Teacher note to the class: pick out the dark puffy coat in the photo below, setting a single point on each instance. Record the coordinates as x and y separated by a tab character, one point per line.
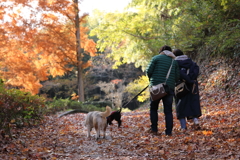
158	68
189	105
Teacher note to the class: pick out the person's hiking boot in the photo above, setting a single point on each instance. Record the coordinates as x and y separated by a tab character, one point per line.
155	133
168	135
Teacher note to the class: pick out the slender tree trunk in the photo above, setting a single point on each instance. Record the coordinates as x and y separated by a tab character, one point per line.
79	54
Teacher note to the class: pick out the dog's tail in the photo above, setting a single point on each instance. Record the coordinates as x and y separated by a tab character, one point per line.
107	112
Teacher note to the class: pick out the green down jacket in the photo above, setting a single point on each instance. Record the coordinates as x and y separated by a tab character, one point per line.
158	68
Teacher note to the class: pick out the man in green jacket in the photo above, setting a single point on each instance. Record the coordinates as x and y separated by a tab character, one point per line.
157	71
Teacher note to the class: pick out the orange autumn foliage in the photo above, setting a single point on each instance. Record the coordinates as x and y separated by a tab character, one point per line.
39	43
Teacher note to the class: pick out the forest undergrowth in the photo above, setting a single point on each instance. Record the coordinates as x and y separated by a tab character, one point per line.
218	138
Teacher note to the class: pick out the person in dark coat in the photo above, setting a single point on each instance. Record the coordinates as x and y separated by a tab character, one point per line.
189	105
157	71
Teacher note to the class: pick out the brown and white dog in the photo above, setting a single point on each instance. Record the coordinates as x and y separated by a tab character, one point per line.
97	120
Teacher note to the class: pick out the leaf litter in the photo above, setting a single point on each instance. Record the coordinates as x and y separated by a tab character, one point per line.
65	138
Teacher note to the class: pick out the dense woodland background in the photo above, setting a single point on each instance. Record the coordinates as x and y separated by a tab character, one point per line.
40	62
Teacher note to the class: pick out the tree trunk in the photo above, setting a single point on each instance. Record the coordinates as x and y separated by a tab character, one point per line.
79	54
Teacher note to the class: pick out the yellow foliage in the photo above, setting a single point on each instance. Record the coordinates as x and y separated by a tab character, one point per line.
74	96
138	85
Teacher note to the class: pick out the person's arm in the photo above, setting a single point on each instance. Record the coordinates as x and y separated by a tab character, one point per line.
184	76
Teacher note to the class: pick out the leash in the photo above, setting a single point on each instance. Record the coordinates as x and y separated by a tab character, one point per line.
81	111
134	97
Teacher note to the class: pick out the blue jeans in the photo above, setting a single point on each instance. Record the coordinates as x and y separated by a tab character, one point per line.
167	105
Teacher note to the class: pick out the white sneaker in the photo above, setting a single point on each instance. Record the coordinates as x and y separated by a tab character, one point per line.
195	120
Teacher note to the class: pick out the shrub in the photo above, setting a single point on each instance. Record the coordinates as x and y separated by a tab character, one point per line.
19	108
57	105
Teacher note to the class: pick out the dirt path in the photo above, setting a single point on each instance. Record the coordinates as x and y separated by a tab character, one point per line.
65	139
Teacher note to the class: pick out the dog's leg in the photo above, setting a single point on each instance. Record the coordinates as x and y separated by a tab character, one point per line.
97	129
98	134
89	130
104	131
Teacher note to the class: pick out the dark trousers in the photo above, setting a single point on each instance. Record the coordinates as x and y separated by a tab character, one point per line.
167	105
